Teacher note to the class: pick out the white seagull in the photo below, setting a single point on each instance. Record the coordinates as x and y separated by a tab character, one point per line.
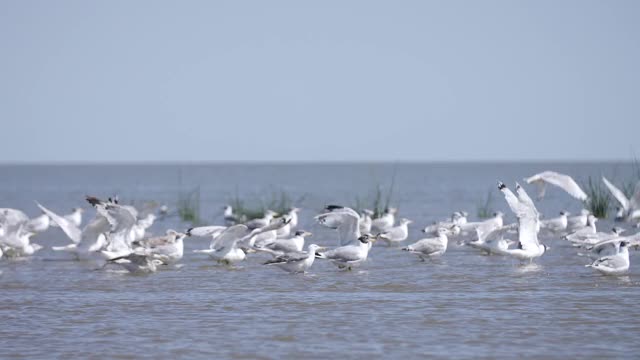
565	182
384	222
430	247
350	256
616	264
528	224
396	234
296	262
343	219
629	208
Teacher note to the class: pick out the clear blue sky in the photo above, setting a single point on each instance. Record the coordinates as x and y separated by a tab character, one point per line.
323	80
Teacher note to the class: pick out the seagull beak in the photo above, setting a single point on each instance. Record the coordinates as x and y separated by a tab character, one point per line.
321	249
308	234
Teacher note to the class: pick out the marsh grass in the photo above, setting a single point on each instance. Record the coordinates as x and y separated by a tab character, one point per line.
484	210
599	199
378	200
188	206
277	200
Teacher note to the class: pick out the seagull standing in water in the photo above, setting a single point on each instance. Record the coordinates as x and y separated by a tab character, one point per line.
616	264
350	256
137	263
431	246
396	234
528	224
557	224
386	221
296	262
283	246
169	248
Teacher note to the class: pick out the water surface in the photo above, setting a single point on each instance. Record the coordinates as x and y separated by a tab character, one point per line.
462	305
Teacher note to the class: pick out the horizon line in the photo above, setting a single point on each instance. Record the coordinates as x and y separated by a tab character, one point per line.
317	162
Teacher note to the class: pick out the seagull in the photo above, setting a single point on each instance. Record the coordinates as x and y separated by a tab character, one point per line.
585	232
616	264
15	239
293	214
396	234
343	219
224	248
629	208
86	242
206	231
75	217
229	217
137	263
457	218
386	221
39	224
528	224
169	248
16	242
565	182
470	227
365	221
282	246
557	224
122	219
491	238
609	246
296	262
349	256
267	235
262	222
430	246
578	221
591	239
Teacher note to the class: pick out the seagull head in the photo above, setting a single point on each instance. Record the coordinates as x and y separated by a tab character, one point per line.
405	221
302	233
498	214
390	210
564	213
366	238
313	248
617	230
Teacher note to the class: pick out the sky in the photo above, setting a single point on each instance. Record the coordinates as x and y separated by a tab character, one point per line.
174	81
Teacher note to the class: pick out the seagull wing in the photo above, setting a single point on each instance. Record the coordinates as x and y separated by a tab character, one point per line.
618	194
70	229
345	220
206	231
565	182
229	237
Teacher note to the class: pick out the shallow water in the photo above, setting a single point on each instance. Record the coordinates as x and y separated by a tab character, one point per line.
462	305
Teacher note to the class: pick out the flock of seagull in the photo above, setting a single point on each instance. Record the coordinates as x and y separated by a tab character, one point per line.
117	234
